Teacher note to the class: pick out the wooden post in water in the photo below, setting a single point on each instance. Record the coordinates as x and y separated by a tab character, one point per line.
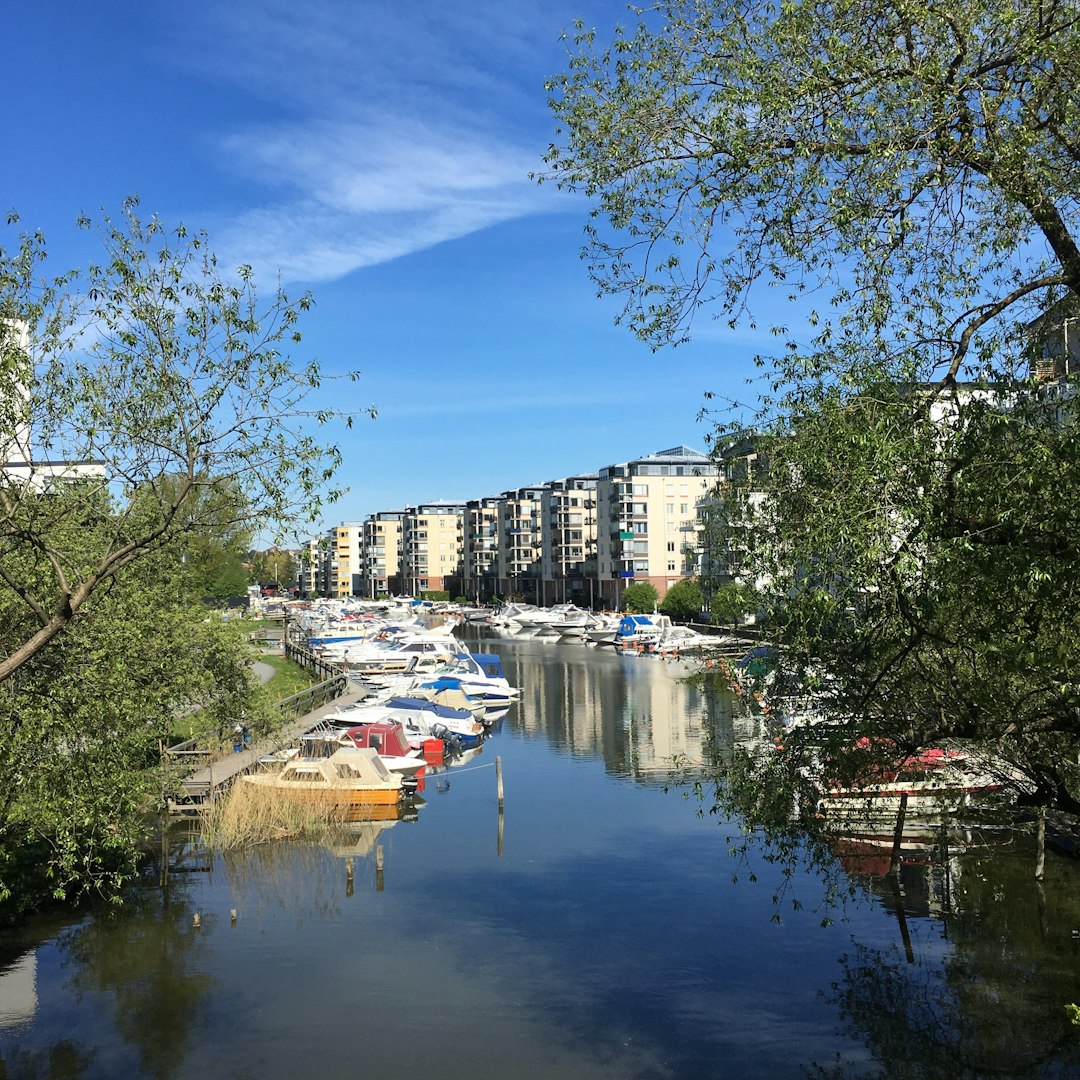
499	787
378	868
349	876
1040	845
898	835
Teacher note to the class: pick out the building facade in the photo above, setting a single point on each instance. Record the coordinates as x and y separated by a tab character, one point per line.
568	541
647	512
480	549
431	547
381	554
519	532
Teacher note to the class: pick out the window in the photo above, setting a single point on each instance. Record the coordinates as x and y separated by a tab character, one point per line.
671	545
671	508
642	565
671	565
641	547
684	508
641	489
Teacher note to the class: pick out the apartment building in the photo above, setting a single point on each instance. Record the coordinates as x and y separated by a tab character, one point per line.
568	541
381	553
647	518
341	560
519	530
480	549
431	547
19	465
307	569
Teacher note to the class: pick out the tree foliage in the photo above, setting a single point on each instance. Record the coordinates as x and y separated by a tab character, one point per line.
905	177
683	600
151	421
731	601
83	722
866	152
274	565
640	598
175	379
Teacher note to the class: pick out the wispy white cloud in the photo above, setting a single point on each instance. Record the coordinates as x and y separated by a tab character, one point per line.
364	192
401	127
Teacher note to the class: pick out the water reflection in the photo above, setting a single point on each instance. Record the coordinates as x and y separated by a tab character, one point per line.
640	714
591	931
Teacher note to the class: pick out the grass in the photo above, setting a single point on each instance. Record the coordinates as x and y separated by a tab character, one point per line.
289	678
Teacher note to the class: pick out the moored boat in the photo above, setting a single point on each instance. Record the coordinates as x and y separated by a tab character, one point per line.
347	778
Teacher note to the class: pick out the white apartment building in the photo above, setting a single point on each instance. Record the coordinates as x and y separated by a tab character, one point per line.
519	531
647	518
381	553
341	560
307	569
18	464
568	541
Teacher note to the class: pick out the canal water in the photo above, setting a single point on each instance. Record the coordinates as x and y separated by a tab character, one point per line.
604	928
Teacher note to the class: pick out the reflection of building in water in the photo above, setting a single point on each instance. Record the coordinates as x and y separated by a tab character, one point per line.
730	723
18	992
664	718
640	714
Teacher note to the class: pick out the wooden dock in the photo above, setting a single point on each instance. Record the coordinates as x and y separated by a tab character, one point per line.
200	788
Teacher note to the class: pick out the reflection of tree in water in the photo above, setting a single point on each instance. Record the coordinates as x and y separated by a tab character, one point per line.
993	1005
61	1061
144	954
293	875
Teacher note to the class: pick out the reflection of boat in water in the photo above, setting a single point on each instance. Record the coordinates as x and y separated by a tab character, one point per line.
350	777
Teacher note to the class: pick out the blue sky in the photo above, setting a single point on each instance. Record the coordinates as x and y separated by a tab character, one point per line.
378	155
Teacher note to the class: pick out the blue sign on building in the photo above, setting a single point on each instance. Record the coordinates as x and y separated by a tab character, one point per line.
626	573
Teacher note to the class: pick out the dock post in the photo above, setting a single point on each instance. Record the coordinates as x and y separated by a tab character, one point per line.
378	868
898	835
499	779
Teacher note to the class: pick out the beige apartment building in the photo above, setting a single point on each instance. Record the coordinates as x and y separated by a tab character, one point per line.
381	553
647	518
431	547
341	560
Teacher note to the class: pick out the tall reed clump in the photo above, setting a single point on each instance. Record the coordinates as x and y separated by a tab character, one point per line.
254	815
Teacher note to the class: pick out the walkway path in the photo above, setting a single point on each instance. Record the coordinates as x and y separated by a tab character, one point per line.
201	786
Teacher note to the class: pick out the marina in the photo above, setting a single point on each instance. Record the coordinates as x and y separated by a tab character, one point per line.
599	926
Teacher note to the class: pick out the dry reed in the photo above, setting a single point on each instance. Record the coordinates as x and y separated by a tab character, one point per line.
255	815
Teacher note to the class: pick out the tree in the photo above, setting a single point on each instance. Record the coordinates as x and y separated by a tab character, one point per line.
640	598
683	600
170	375
914	165
274	565
906	175
84	721
731	601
